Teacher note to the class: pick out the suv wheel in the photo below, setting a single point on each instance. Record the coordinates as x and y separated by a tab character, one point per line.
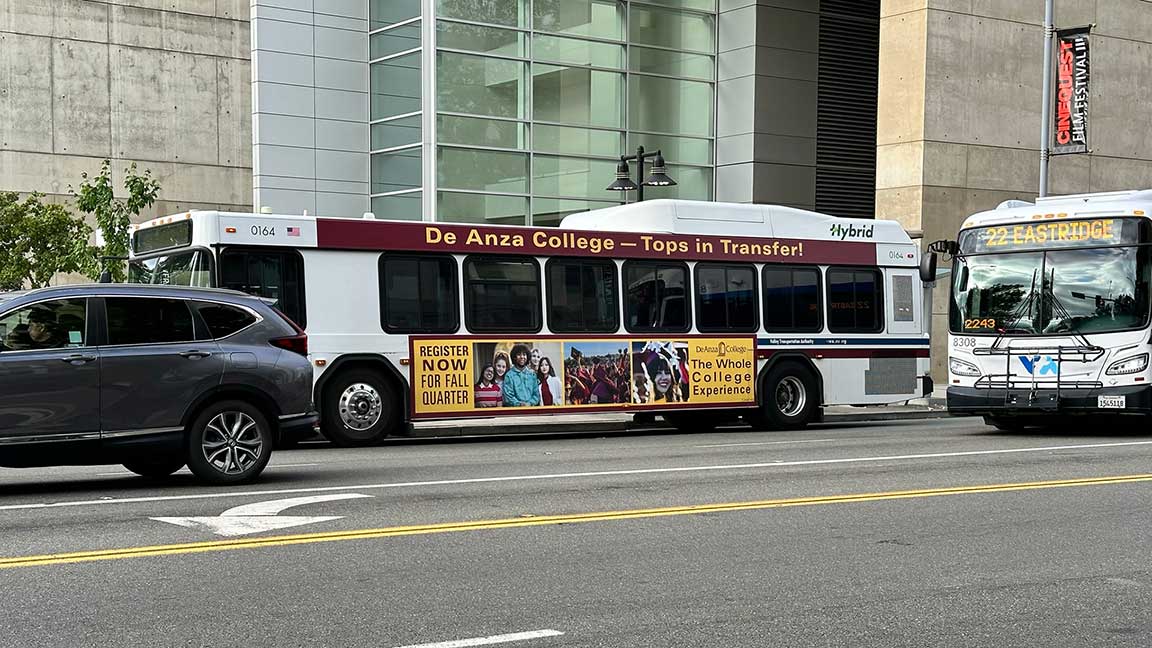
230	442
155	468
360	408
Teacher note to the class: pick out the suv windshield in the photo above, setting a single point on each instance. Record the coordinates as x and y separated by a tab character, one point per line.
1051	292
188	268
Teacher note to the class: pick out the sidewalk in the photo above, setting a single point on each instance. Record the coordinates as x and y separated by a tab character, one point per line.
930	408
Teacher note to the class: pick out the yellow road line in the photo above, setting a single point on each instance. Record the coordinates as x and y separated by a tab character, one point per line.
606	516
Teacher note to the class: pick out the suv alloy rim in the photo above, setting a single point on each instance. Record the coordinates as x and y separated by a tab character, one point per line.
360	406
232	442
790	396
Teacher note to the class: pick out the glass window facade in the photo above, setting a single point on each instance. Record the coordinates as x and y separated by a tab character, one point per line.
529	104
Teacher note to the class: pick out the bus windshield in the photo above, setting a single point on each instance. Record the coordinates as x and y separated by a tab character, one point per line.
187	268
1050	291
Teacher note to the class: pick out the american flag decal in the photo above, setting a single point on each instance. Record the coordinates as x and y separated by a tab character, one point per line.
293	231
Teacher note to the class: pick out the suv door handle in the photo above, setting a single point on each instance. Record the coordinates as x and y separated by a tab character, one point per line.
77	359
195	354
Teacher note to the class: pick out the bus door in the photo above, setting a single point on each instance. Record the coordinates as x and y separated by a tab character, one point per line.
273	273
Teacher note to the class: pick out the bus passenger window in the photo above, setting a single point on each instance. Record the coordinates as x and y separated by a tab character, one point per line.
855	300
725	297
274	274
657	297
582	296
502	294
418	294
791	300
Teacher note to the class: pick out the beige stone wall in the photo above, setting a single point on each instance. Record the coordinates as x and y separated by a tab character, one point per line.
959	111
163	83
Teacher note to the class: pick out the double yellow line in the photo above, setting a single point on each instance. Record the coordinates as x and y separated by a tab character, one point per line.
527	521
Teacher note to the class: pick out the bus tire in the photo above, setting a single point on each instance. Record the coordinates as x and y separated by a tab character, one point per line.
790	397
360	408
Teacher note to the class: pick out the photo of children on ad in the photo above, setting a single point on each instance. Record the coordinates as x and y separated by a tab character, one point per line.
517	374
596	373
659	372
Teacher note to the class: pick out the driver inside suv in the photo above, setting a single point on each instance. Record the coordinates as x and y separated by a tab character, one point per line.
41	332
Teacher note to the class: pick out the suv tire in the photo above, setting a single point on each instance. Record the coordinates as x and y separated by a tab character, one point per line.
230	442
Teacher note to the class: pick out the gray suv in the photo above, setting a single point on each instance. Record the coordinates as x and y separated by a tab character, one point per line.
152	377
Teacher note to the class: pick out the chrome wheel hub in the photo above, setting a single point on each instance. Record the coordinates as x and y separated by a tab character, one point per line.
360	406
790	396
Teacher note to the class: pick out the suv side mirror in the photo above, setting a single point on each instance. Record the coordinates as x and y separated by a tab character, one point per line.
928	267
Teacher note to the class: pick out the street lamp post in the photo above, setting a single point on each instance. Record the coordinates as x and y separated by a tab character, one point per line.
658	178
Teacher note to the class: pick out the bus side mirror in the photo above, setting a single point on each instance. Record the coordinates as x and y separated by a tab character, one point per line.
928	267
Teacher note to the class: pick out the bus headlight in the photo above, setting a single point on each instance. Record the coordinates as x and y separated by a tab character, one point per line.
962	368
1132	365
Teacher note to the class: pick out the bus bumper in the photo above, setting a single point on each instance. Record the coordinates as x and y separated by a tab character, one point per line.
1000	402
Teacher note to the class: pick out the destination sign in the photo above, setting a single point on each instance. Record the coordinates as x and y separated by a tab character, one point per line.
1051	234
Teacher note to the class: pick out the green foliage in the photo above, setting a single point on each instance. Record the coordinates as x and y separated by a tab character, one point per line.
38	241
114	216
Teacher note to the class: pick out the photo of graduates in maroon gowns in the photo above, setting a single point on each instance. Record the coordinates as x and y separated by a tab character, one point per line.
596	373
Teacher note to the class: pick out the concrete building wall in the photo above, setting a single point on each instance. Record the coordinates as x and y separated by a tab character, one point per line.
766	101
960	104
163	83
310	106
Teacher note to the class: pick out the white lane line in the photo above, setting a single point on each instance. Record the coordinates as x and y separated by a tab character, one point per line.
764	443
487	641
601	473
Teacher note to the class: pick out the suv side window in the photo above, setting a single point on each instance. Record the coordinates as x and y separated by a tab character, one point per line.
48	325
224	320
148	320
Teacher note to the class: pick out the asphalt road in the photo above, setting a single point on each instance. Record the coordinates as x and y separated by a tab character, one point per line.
920	533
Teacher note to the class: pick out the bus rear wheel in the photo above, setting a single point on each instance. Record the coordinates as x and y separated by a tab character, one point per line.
360	408
789	399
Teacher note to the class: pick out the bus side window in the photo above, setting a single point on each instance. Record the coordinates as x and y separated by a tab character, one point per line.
855	300
792	299
418	294
274	274
657	297
582	296
725	297
502	294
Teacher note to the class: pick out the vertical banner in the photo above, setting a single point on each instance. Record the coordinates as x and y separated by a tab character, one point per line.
1071	91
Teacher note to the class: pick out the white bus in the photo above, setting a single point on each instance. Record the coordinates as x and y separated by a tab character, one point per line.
694	310
1049	309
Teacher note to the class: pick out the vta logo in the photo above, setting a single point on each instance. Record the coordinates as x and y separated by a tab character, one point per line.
1032	362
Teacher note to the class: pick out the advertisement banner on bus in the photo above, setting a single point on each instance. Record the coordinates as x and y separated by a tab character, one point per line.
543	374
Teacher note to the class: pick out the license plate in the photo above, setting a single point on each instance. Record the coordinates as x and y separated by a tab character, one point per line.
1110	402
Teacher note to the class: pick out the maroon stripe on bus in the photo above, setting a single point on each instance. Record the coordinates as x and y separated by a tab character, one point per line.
350	234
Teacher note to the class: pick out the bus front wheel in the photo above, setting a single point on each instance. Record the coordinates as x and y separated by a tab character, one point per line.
789	399
360	408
